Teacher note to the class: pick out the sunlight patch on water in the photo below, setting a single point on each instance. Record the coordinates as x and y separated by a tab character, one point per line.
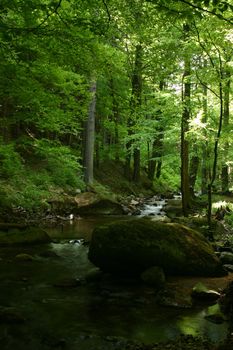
197	325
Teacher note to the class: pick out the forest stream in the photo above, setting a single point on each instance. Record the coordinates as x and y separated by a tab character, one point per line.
50	306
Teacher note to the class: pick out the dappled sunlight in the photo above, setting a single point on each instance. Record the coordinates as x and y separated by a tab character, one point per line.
219	204
197	122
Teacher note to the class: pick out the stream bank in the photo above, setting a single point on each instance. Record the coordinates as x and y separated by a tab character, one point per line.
51	303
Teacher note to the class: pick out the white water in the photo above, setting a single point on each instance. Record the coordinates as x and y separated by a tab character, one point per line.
154	208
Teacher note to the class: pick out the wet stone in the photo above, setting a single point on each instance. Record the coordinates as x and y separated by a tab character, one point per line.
228	267
48	254
24	257
10	315
202	293
226	258
68	283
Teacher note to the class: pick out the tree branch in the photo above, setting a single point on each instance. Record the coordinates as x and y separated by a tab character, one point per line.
31	29
206	86
107	9
196	7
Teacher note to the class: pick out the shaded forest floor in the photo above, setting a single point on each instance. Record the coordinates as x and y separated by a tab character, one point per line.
111	175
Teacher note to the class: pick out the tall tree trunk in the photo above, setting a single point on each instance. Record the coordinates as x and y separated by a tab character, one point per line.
155	163
127	168
193	169
158	170
152	161
214	169
134	106
184	129
137	164
204	168
226	116
116	120
90	138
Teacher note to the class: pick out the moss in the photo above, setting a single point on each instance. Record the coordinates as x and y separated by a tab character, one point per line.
139	244
30	235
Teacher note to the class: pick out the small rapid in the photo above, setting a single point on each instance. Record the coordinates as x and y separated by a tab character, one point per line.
154	207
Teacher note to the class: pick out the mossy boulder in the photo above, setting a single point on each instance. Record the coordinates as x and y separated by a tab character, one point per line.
133	246
10	235
90	203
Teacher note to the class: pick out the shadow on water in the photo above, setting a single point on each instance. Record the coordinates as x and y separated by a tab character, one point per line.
65	316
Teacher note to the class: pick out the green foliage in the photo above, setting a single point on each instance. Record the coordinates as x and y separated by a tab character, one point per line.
60	163
229	219
51	50
10	161
170	179
54	166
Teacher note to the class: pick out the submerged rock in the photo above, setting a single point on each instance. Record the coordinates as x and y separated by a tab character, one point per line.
93	275
134	246
154	276
174	298
68	283
215	315
24	257
10	315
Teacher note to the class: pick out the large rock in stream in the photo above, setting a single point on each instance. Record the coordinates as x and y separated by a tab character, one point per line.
133	246
90	203
20	234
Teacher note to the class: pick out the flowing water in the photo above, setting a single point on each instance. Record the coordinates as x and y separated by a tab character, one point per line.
154	207
58	313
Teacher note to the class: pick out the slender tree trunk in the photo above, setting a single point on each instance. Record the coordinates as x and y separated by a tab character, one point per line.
226	117
134	106
204	168
90	139
159	168
137	163
194	164
152	162
127	169
184	129
214	169
155	163
116	121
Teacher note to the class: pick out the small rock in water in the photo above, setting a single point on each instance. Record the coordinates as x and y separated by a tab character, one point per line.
10	315
68	283
94	275
77	241
49	254
24	257
215	315
154	276
228	267
201	292
226	258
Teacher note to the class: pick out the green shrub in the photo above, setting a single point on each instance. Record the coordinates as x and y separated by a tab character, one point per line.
10	161
61	164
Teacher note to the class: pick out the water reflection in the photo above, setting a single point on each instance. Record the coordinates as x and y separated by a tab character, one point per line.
109	307
82	227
